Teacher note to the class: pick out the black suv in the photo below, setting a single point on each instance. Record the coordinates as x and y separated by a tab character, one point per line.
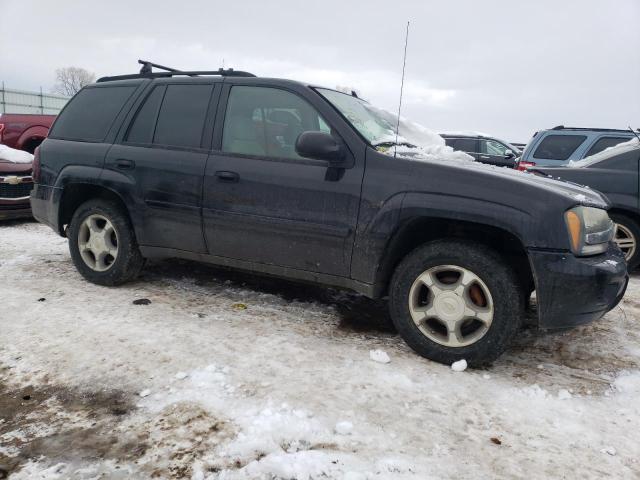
483	148
284	178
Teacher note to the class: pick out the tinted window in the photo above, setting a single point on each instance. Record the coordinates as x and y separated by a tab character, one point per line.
558	147
605	142
491	147
464	144
91	112
267	122
182	115
141	130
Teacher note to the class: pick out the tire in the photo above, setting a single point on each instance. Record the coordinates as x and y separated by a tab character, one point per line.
627	237
125	263
492	293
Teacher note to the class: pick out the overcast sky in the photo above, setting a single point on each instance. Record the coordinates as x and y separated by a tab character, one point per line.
497	66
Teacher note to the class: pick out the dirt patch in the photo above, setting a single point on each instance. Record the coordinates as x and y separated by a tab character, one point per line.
60	424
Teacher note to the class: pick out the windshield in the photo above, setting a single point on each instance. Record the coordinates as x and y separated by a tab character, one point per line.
378	127
365	119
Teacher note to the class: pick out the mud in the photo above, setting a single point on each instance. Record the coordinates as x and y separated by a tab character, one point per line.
62	424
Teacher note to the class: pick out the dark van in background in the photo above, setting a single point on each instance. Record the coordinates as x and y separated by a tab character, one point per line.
484	149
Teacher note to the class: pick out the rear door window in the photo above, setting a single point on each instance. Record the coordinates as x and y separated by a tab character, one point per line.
182	115
604	143
558	147
90	114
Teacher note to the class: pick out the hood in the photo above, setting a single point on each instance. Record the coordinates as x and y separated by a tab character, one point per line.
528	184
10	168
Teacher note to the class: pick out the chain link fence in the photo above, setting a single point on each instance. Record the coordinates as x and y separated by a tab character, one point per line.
22	101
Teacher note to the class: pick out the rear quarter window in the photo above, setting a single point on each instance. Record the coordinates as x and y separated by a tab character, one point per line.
90	114
558	147
605	142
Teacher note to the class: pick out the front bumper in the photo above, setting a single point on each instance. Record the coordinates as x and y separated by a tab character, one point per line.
573	290
14	196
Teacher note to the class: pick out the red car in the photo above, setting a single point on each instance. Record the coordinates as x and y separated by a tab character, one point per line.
21	132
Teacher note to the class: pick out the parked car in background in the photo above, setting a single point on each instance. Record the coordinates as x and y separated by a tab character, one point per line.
284	178
15	183
561	145
483	148
614	172
24	131
519	146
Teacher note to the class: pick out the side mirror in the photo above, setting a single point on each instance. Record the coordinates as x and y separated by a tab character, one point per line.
320	146
508	154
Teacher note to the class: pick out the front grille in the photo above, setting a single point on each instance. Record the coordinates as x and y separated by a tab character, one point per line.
15	191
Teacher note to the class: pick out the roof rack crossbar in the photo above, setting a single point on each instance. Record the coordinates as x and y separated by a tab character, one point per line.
147	67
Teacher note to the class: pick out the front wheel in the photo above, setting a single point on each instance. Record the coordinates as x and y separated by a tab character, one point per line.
102	243
453	300
627	236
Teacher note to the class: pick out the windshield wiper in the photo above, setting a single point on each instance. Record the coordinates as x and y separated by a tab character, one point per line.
393	144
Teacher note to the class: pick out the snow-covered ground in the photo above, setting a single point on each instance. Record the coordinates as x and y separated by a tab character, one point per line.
231	376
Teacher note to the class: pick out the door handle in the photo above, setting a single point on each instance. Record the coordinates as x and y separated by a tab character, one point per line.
485	157
124	164
229	177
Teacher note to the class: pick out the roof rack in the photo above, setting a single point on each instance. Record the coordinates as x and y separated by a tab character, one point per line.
147	72
562	127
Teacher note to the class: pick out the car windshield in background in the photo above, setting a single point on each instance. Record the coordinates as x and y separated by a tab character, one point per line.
558	147
371	125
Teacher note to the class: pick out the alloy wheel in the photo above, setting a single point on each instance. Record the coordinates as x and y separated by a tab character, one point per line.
98	242
451	305
625	240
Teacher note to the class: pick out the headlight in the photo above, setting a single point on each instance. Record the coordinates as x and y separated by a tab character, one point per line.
590	230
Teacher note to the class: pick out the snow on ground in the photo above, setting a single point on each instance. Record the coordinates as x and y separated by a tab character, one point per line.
12	155
231	376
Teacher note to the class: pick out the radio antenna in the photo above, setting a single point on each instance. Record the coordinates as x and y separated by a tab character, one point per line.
404	63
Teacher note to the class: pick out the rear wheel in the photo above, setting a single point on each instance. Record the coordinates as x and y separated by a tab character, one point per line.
102	243
453	300
627	236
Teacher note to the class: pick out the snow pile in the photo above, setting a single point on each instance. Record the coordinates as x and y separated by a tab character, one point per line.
459	366
12	155
415	141
344	428
379	356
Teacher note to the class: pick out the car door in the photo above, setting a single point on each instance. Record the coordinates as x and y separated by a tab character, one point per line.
262	202
495	153
161	157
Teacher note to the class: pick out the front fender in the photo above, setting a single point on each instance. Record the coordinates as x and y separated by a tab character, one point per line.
457	207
